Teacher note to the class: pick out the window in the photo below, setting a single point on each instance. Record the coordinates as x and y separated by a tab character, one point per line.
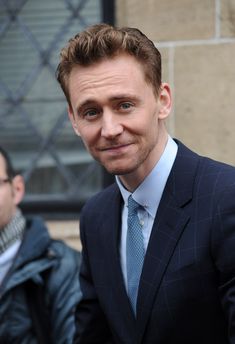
60	175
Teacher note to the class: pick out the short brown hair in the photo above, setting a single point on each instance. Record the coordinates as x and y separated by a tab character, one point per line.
102	41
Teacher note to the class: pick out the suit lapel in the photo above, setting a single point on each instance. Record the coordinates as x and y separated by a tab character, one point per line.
168	227
110	232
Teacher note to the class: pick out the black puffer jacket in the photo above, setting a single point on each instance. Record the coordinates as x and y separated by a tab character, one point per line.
40	256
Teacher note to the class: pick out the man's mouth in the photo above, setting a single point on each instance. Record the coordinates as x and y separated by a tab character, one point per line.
115	147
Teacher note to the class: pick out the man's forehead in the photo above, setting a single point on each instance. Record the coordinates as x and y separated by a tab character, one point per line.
105	69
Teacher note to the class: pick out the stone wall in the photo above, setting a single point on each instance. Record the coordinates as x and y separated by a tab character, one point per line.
197	42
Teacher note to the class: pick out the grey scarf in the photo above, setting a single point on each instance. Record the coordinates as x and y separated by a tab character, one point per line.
12	232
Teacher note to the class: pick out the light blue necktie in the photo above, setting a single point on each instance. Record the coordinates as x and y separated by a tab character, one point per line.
134	251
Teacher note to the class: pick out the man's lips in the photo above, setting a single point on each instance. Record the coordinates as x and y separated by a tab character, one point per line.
115	147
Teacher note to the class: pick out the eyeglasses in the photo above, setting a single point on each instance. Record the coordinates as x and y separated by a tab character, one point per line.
4	181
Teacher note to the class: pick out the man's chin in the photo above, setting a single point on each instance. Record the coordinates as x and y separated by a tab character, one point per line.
118	170
119	167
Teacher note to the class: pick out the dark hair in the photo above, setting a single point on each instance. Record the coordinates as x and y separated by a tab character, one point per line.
100	41
9	167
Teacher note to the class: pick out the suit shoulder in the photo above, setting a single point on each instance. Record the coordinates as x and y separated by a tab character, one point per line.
219	169
216	178
206	164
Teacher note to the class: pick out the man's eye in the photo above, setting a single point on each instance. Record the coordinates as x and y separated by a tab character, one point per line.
90	113
125	106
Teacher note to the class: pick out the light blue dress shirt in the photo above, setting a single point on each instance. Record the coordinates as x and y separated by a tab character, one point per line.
148	194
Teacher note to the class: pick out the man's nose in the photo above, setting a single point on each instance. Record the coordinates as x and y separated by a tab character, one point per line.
111	127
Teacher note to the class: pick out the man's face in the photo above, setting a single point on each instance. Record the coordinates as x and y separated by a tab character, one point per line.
118	116
7	206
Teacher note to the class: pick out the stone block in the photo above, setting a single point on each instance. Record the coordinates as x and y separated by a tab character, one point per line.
68	231
205	99
227	23
168	20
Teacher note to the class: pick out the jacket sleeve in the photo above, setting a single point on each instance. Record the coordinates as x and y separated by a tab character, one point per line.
91	324
223	243
64	290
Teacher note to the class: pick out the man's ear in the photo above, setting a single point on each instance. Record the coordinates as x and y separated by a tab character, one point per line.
18	189
165	100
72	120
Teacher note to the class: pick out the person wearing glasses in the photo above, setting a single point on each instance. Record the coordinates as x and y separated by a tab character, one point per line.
39	287
158	261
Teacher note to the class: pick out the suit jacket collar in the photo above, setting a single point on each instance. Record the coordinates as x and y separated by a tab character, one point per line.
169	224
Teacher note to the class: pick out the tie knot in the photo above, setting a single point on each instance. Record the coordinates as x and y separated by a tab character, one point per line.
132	206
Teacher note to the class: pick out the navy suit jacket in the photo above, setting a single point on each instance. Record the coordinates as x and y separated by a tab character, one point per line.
187	287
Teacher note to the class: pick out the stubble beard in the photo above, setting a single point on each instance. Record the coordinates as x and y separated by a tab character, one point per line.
133	165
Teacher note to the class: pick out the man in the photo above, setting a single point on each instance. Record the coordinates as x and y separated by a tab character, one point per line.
161	268
39	286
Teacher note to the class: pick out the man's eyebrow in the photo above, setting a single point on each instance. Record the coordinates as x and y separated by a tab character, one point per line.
87	102
124	96
92	102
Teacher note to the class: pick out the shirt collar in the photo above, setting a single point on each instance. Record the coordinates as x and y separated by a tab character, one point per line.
149	192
